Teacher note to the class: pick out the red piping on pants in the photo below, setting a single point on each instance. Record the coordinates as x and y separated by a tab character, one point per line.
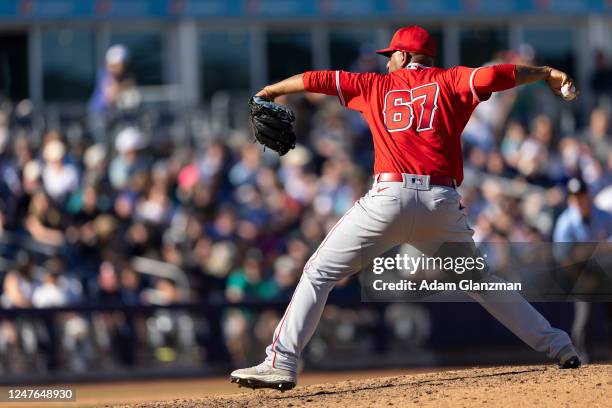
280	328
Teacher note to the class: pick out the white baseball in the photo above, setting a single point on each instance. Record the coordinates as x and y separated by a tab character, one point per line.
568	92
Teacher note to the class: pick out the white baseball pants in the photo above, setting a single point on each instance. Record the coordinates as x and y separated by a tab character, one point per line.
390	214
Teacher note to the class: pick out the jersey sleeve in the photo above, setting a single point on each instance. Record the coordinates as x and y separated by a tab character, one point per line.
474	85
352	89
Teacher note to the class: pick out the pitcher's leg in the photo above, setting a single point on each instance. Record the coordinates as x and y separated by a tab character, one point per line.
446	222
299	322
522	319
372	226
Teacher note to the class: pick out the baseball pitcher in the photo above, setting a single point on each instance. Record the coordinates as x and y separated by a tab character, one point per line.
416	114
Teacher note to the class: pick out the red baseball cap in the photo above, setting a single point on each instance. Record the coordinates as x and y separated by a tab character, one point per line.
411	39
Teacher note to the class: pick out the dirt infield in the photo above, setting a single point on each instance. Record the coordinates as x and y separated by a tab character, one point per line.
541	386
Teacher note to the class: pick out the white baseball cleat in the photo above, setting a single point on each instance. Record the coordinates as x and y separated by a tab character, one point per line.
264	376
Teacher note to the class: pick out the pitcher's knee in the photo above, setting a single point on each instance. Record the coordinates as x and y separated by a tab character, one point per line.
319	274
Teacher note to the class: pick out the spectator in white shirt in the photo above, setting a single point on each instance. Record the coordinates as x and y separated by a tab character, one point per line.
59	178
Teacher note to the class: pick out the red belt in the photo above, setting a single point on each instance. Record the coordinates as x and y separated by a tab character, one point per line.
433	180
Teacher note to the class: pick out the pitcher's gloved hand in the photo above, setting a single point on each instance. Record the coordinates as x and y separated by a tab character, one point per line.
272	125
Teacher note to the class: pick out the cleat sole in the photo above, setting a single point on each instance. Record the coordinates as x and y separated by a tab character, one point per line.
256	384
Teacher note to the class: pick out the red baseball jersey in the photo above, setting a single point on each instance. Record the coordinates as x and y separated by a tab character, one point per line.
416	115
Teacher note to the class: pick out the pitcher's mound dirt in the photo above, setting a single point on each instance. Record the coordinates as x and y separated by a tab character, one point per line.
538	386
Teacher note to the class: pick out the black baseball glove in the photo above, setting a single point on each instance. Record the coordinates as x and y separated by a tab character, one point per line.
272	125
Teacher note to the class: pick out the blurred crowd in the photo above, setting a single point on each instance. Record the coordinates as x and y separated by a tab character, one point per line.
228	221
